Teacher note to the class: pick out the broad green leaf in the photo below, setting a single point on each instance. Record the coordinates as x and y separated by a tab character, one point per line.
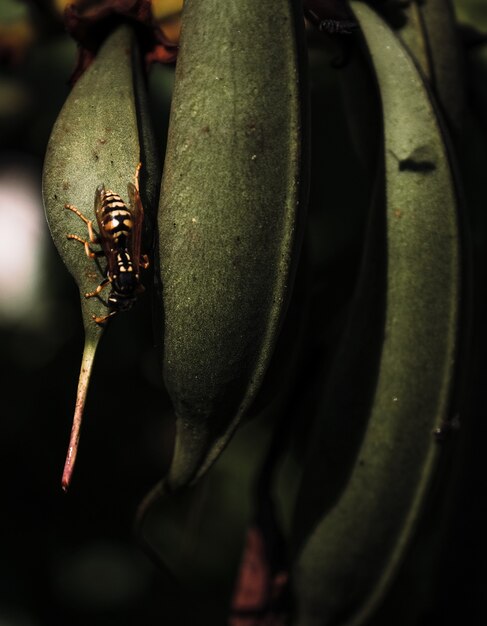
414	37
95	140
447	61
231	214
430	33
373	455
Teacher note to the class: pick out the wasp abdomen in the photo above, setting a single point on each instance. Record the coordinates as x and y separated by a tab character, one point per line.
115	216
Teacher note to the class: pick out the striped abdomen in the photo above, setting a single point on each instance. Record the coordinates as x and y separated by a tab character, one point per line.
117	225
116	219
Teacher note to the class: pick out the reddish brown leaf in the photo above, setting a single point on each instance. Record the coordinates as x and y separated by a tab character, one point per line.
259	591
89	23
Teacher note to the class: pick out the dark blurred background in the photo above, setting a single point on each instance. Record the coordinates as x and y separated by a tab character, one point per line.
73	559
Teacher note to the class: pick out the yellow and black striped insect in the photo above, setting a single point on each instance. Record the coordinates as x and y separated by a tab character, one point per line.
120	231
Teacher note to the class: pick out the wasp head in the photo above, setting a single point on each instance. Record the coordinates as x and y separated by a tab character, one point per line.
126	287
121	302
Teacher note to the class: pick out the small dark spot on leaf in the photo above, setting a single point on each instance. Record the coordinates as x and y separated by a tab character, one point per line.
55	196
66	184
96	156
251	128
421	159
89	275
410	165
205	129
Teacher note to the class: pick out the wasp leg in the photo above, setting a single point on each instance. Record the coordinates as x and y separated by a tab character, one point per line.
144	261
101	320
100	287
89	223
89	252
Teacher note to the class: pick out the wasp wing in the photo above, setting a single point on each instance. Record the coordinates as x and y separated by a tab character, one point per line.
104	236
137	210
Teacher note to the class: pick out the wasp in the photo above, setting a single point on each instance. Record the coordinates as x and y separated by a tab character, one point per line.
120	230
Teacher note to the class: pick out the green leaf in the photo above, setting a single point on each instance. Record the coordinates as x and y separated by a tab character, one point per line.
414	37
447	60
197	533
372	456
231	214
431	35
95	140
